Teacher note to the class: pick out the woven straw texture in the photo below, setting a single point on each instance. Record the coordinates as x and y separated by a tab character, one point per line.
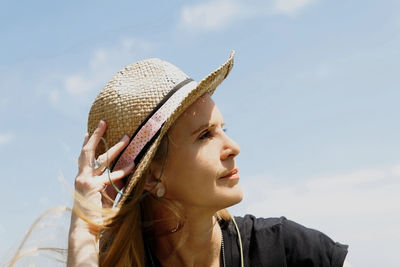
132	94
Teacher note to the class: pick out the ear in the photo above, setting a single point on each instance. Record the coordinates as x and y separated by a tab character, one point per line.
152	177
156	170
155	187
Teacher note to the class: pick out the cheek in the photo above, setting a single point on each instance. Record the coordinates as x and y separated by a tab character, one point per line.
186	170
196	157
206	160
177	168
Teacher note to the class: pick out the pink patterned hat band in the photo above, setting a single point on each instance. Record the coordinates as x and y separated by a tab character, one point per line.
149	130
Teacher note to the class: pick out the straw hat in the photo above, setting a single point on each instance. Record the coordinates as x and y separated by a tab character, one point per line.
142	101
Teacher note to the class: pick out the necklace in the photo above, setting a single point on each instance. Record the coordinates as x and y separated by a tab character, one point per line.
150	256
222	250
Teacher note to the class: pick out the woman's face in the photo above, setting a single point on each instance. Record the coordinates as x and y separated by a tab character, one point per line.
200	168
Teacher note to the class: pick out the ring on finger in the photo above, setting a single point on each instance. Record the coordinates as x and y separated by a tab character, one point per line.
97	166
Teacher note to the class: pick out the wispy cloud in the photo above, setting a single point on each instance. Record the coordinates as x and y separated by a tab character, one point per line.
214	14
347	206
289	7
218	14
70	92
102	63
5	138
396	170
54	96
369	191
61	87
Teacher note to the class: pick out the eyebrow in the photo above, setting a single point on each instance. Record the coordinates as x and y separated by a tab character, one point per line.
203	126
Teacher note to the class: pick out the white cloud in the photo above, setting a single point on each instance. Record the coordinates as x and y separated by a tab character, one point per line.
101	66
396	170
214	14
78	84
217	14
70	92
54	96
363	192
357	208
290	6
5	138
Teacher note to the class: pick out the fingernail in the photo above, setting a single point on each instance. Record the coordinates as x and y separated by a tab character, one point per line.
125	138
100	123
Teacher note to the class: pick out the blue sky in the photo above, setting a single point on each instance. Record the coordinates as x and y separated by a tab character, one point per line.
312	101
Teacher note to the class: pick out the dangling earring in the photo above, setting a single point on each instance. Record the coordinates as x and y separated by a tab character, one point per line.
160	190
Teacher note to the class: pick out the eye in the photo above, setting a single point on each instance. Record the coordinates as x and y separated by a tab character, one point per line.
205	135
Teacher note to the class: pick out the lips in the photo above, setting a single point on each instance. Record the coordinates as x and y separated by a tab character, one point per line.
234	174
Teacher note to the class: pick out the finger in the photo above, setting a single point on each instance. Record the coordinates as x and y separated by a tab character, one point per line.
81	160
114	151
116	179
119	174
85	140
96	136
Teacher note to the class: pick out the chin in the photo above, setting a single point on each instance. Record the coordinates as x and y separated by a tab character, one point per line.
233	197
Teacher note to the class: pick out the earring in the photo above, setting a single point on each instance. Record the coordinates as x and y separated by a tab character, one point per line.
175	229
160	190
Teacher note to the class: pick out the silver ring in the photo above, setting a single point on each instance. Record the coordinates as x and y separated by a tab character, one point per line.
97	166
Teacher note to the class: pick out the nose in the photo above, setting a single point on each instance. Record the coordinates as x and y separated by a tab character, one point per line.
230	148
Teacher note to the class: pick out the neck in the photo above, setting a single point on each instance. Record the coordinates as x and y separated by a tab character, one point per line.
198	243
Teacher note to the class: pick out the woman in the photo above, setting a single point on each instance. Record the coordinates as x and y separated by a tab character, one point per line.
172	174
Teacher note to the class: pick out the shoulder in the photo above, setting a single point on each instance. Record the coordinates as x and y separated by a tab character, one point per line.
252	223
297	243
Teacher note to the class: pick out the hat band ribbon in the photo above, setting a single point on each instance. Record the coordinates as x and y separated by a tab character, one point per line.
150	128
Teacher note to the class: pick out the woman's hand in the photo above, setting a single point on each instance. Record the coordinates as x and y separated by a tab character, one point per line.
91	181
89	184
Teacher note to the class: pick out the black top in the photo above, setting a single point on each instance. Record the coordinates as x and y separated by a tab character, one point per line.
275	242
278	242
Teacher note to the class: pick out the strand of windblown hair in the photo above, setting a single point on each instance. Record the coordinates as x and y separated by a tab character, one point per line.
18	255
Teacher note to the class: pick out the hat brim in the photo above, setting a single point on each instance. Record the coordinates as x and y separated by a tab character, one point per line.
208	84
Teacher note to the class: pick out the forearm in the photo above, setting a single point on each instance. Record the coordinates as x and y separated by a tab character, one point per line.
82	244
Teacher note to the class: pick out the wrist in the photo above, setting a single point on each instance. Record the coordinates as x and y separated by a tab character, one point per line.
84	223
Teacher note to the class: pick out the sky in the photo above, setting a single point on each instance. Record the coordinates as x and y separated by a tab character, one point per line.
312	101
